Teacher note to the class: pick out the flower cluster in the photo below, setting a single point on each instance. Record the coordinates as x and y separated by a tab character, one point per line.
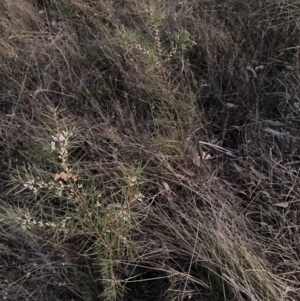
57	186
28	222
59	143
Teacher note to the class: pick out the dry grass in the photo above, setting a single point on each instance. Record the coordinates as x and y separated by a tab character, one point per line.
149	150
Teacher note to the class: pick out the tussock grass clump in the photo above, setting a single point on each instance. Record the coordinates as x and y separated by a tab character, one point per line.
149	150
